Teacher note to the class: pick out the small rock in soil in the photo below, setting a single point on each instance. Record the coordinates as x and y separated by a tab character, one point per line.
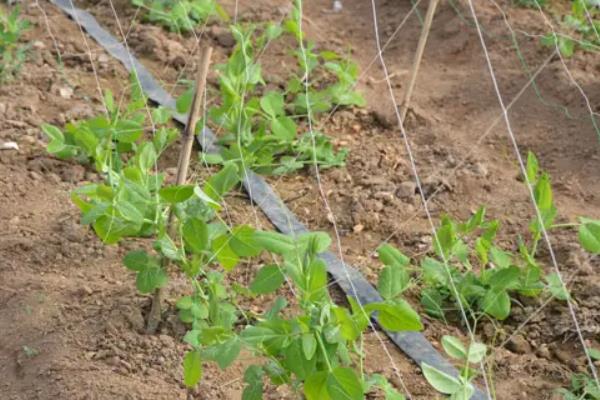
222	36
406	190
518	344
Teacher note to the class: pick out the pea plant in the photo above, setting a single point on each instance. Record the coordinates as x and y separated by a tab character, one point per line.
262	126
12	52
470	269
315	350
583	21
332	77
182	15
583	386
315	347
461	387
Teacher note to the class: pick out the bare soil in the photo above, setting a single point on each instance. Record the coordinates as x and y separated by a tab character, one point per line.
71	321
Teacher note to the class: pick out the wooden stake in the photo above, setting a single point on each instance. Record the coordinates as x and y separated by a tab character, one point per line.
418	56
189	133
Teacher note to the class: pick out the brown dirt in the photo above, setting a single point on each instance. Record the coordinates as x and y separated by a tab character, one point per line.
70	318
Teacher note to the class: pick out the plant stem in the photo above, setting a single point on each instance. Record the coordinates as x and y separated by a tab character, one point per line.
324	351
189	133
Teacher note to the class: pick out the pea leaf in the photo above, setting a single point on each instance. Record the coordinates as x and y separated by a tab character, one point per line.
343	383
57	139
441	381
267	280
477	352
176	194
556	287
275	242
254	388
454	347
224	253
150	278
589	235
138	260
315	387
396	317
192	368
393	280
220	183
195	235
496	303
389	255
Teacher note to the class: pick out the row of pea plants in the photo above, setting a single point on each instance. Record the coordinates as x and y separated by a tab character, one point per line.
313	347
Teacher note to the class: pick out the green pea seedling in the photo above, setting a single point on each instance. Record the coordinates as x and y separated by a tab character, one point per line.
262	127
182	15
12	52
458	388
486	276
583	22
583	386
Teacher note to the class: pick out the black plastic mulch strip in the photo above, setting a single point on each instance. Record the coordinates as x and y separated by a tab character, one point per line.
414	344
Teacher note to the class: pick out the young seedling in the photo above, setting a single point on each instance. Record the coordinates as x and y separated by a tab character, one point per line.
583	386
12	52
486	276
262	127
314	351
583	22
461	387
182	15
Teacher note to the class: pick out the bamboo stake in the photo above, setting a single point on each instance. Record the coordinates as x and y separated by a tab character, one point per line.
418	56
183	163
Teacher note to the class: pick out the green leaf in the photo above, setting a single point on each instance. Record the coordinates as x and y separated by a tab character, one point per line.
224	253
243	243
501	258
496	303
389	255
506	278
150	278
432	301
434	272
477	352
176	194
192	368
274	242
393	280
344	383
284	128
532	168
138	260
220	183
184	102
57	139
309	345
195	234
594	354
315	242
441	381
454	347
267	280
254	388
315	387
396	317
556	287
589	235
224	353
272	103
147	156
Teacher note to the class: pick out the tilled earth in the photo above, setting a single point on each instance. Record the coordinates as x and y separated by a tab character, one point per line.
70	318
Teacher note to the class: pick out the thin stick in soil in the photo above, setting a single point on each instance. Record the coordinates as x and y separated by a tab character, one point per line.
418	56
154	317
